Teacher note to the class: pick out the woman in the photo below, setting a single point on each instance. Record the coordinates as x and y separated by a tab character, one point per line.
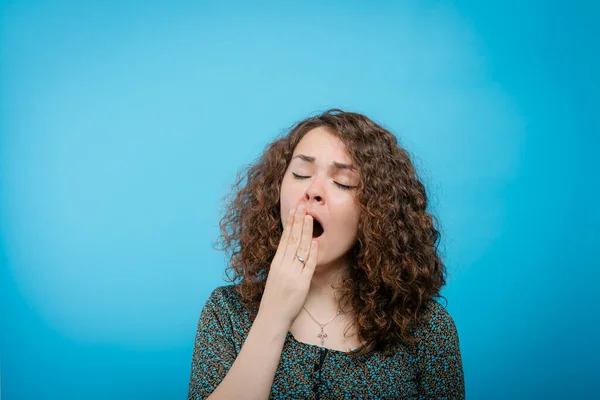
335	268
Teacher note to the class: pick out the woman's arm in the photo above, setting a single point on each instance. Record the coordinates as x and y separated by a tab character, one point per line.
252	373
440	363
218	371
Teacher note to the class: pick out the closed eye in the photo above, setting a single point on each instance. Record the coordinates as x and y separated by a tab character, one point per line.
343	187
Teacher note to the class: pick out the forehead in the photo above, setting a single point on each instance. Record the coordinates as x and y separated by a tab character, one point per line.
323	145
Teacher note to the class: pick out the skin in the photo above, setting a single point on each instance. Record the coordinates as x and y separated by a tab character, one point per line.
315	185
312	180
252	373
291	283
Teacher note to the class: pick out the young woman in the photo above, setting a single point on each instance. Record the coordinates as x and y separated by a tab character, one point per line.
335	271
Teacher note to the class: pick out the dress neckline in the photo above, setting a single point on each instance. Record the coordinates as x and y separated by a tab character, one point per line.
291	338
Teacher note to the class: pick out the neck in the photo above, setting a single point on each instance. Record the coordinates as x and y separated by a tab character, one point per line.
321	296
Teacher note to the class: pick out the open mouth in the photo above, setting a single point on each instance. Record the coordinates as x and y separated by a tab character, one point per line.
317	229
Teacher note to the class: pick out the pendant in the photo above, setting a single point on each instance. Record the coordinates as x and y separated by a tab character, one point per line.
322	335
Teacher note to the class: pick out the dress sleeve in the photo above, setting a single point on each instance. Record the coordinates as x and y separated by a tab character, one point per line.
439	371
214	349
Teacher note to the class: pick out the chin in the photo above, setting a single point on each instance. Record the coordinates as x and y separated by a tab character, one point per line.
325	262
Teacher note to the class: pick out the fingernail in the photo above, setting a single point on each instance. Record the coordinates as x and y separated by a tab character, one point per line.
300	209
292	211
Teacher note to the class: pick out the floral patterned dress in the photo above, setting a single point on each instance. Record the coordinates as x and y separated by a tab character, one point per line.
433	369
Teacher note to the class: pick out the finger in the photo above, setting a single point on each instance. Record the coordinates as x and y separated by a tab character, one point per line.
311	263
293	240
304	247
289	221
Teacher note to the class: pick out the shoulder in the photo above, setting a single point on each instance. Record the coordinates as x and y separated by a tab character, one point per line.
436	325
438	355
225	294
226	303
225	298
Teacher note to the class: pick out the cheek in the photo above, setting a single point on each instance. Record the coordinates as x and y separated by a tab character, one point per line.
353	219
349	214
287	198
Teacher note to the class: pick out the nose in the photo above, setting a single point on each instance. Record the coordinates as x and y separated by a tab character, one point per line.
314	192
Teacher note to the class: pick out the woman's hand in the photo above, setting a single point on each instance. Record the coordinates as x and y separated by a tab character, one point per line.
251	375
289	279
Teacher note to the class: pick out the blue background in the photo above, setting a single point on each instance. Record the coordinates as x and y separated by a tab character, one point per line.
123	124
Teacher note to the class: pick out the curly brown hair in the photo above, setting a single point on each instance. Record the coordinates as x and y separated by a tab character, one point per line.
395	268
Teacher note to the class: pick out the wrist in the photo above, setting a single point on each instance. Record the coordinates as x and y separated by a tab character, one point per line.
267	322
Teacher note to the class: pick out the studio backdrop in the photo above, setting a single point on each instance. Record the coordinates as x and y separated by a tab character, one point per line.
123	125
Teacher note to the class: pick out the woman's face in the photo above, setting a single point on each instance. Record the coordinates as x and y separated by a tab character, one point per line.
322	178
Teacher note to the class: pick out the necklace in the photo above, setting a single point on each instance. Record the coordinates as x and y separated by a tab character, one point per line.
322	335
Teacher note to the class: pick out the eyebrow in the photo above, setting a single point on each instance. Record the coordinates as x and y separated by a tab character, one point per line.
337	165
